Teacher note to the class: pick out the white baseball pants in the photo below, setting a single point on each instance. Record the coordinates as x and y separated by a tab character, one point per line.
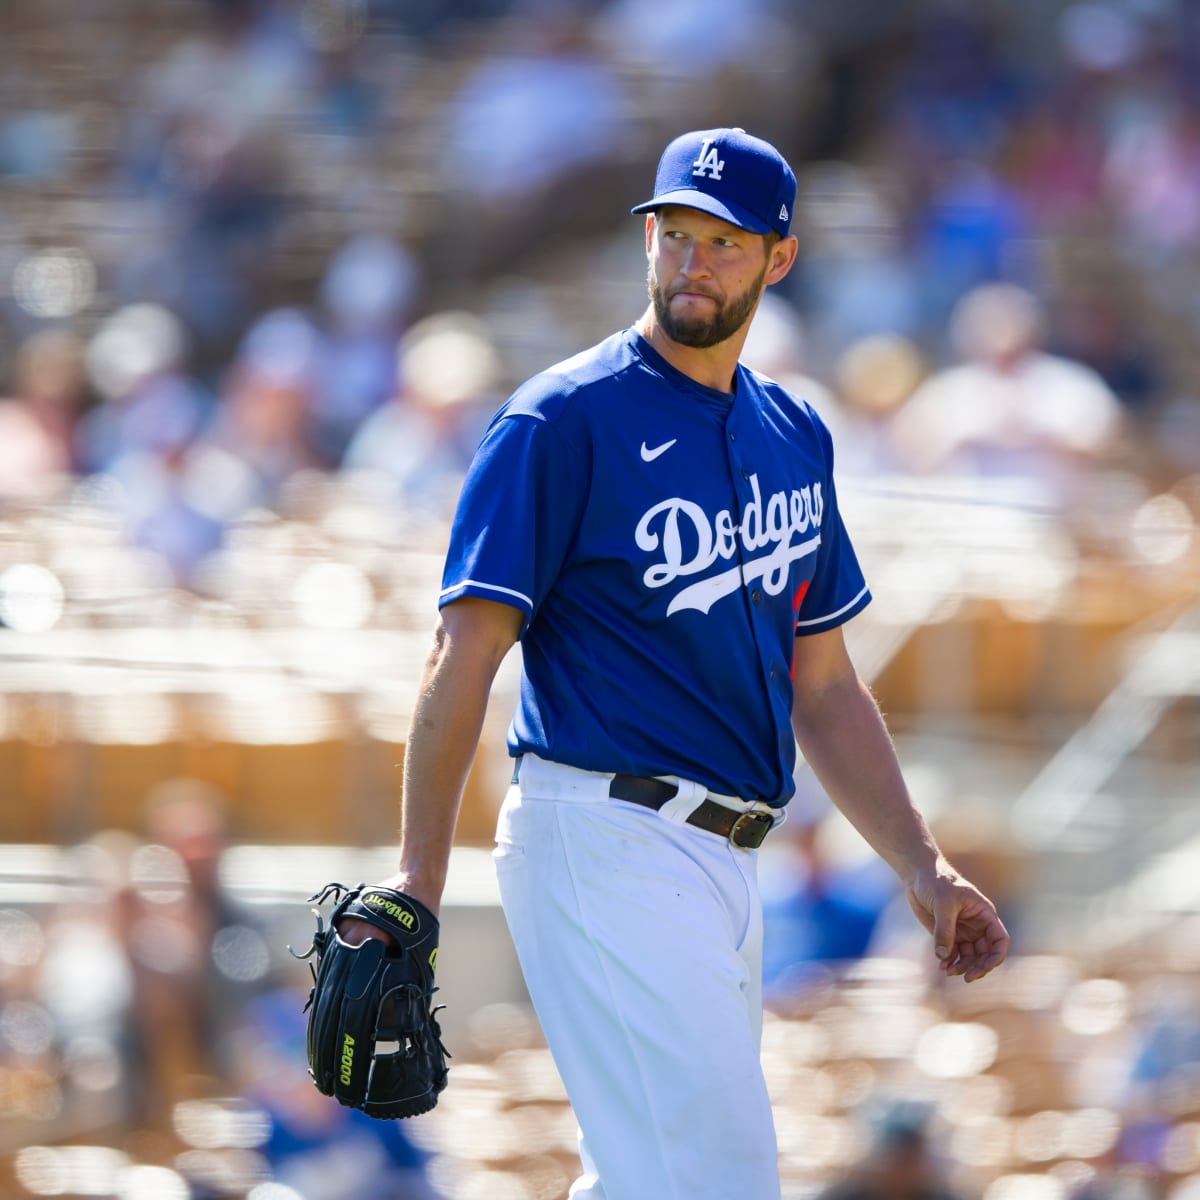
640	939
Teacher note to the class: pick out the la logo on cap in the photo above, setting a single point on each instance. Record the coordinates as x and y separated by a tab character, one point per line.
708	162
728	174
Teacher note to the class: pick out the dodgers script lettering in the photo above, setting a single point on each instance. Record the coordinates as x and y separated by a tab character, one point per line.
671	525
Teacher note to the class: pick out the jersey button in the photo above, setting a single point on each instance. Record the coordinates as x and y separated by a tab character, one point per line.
745	474
732	436
756	596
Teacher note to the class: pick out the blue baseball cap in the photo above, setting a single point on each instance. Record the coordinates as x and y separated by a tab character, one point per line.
730	174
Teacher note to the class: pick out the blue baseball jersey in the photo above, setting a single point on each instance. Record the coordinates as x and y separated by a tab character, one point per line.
667	543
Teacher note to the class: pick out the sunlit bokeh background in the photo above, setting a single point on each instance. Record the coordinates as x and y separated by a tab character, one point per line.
266	269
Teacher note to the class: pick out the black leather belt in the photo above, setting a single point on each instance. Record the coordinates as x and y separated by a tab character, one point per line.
745	830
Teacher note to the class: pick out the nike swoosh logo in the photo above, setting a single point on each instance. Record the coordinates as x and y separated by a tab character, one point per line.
650	455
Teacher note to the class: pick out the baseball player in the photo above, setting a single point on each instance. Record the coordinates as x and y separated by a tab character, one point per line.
658	526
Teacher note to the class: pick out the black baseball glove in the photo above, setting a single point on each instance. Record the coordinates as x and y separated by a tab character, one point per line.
373	1037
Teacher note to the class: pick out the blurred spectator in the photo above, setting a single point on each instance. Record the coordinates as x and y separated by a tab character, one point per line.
241	63
856	266
949	109
823	921
1100	332
36	140
318	1147
531	125
1055	162
674	37
873	380
136	362
366	293
957	89
37	419
267	399
1010	413
1152	176
525	117
1165	1063
203	143
143	435
968	232
901	1162
144	973
86	983
346	75
197	955
422	441
821	900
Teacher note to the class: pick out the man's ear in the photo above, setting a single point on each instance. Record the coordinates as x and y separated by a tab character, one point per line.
650	219
783	258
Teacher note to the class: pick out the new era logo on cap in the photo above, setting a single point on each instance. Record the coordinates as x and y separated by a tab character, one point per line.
730	174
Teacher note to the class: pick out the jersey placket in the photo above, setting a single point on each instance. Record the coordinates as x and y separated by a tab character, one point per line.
757	604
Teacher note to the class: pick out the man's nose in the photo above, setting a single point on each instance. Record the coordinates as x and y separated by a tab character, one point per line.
696	262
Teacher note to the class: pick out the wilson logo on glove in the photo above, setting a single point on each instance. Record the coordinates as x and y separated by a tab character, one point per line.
396	911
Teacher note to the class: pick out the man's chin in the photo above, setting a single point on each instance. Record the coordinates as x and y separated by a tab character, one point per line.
698	331
697	334
690	333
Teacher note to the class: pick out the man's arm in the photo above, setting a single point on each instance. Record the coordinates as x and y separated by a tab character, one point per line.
471	640
843	737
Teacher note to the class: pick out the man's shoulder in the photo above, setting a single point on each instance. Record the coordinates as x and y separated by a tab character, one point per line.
550	393
800	398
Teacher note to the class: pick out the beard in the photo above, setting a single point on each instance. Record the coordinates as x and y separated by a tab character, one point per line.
702	332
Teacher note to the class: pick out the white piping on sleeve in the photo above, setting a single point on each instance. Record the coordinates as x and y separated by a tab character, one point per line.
832	615
490	587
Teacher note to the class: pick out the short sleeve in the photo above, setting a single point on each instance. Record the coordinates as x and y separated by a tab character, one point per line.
838	589
517	515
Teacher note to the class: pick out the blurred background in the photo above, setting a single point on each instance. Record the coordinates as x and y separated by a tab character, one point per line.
268	266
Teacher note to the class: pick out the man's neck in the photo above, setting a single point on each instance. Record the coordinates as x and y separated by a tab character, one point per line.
711	367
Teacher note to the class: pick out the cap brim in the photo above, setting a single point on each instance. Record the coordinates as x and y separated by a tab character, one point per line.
743	218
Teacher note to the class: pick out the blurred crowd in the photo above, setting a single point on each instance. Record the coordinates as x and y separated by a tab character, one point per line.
150	1004
152	1046
245	240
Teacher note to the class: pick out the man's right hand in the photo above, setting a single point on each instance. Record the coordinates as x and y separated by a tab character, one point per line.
354	932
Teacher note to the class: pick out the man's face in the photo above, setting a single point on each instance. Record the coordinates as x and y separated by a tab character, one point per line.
705	275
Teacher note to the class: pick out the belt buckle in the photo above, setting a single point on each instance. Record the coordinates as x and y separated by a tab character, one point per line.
750	829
